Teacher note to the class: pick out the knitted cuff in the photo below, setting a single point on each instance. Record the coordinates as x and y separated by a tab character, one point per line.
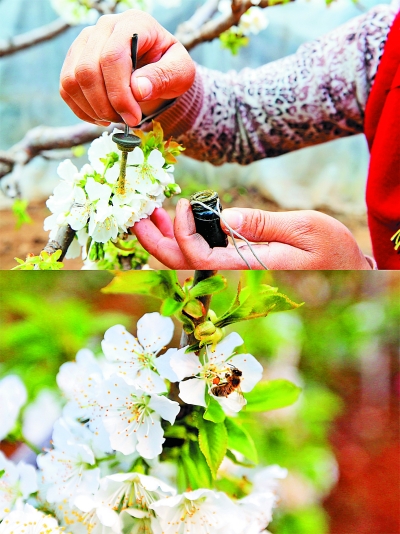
182	114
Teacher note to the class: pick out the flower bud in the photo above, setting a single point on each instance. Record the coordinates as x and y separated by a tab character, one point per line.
204	329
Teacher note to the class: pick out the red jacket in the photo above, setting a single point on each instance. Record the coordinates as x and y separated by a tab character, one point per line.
382	129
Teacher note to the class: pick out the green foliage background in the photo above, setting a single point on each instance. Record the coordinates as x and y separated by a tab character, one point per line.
47	317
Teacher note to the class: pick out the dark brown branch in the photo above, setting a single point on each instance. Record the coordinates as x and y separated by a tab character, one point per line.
33	37
212	29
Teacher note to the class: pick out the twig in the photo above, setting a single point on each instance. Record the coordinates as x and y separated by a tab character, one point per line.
64	238
33	37
204	13
210	30
198	277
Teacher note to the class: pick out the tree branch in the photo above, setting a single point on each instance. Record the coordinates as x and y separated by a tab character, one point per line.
64	238
192	36
33	37
43	138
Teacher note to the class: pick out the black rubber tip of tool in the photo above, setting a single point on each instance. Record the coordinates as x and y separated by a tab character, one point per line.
128	142
208	223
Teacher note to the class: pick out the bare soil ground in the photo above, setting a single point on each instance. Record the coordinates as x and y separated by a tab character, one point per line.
32	238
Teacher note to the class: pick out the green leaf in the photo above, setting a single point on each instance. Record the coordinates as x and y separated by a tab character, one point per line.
232	457
251	303
19	208
214	411
160	284
196	470
271	395
170	306
194	308
188	324
209	286
213	442
240	440
2	472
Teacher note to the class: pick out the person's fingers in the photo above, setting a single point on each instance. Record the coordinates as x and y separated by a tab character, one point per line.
77	110
165	249
116	66
89	74
69	84
167	78
317	240
163	222
295	228
200	256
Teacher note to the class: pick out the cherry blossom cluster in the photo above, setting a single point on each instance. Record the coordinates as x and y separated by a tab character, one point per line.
92	480
253	21
93	204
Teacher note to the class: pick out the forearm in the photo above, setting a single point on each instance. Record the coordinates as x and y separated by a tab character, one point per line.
315	95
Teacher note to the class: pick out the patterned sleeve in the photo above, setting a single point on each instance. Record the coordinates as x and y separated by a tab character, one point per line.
315	95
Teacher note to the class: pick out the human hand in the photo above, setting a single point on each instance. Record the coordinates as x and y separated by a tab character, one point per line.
96	79
291	240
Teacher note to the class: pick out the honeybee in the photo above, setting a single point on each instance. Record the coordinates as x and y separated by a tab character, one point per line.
231	383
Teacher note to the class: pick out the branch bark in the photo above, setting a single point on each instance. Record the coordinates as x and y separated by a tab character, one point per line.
191	36
33	37
44	138
64	238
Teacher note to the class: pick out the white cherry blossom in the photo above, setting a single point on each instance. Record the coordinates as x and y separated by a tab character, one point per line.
40	416
135	358
146	175
28	520
63	194
13	396
69	469
253	21
75	11
132	417
124	499
16	484
257	510
204	371
199	511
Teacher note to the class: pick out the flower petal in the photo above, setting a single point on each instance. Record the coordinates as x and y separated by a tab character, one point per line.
193	391
136	157
67	170
155	159
185	365
119	345
150	436
149	381
225	348
96	191
234	402
154	331
163	365
252	370
166	408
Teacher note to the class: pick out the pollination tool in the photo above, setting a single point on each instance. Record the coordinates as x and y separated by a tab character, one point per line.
126	141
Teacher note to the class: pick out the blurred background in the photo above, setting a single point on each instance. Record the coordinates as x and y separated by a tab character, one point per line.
328	177
340	441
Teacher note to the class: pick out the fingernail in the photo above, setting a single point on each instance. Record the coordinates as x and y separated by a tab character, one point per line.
233	217
129	119
144	86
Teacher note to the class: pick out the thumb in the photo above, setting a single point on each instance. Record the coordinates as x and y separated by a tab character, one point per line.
167	78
